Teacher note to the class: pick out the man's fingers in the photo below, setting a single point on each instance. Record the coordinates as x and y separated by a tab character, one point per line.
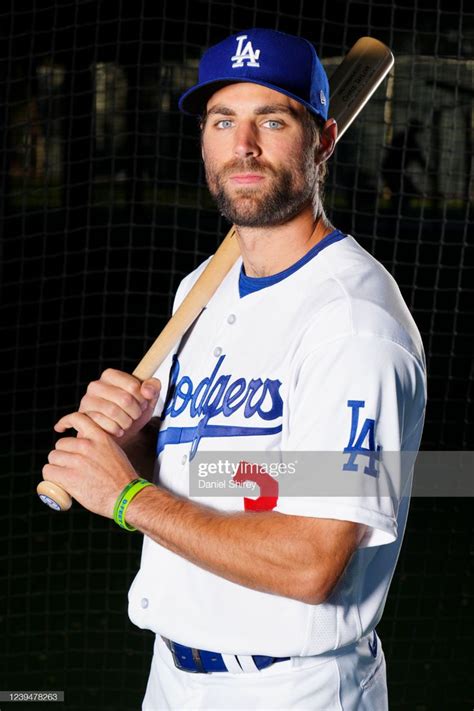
61	458
80	422
114	403
151	388
108	425
101	394
51	472
111	411
120	379
77	445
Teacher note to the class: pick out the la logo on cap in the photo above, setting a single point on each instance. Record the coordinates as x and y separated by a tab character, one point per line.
245	54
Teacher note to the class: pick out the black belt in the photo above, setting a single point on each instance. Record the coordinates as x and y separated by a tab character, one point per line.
200	661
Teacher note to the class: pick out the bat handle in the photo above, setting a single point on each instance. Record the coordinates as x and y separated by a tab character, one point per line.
54	496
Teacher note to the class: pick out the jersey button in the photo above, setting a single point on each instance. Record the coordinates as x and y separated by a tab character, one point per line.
231	318
144	602
184	459
217	351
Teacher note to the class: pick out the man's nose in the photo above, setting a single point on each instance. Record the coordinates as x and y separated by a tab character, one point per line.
246	142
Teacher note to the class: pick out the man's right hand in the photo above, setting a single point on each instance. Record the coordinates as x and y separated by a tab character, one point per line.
120	403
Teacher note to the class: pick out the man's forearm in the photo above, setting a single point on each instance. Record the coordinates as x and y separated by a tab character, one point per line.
292	556
266	551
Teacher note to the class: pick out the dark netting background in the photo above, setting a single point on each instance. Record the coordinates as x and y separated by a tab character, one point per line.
104	210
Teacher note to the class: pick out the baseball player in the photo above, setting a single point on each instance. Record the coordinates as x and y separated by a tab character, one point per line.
262	600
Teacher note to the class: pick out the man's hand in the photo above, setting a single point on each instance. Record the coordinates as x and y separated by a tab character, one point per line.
120	404
91	467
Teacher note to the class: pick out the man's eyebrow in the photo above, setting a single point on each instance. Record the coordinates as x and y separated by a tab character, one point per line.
221	109
276	109
259	111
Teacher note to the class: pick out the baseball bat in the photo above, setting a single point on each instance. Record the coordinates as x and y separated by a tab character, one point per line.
351	86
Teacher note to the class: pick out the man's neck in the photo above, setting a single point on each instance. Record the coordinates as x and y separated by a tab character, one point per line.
270	250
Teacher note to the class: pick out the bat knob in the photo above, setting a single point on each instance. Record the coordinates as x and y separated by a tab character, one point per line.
53	496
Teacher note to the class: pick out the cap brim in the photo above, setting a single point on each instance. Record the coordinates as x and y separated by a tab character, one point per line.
193	102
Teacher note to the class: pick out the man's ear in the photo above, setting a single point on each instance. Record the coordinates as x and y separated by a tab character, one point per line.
327	140
202	125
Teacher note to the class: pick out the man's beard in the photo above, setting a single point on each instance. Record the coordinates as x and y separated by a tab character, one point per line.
292	190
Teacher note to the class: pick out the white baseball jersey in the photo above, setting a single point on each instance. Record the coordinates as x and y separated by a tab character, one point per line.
324	356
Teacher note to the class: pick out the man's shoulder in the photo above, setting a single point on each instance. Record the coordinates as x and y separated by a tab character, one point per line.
347	260
362	299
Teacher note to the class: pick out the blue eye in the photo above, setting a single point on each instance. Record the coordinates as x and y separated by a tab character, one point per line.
272	123
224	123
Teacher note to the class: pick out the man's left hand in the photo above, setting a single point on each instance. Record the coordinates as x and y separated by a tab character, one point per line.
91	467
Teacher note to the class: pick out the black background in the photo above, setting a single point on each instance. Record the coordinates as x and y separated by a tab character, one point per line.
88	285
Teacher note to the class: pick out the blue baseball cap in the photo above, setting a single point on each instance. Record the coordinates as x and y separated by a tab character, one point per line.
282	62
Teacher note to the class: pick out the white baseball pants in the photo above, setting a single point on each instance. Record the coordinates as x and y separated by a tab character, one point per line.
350	680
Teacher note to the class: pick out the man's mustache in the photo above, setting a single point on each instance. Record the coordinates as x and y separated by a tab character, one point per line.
249	165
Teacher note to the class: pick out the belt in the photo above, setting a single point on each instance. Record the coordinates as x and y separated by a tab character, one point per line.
200	661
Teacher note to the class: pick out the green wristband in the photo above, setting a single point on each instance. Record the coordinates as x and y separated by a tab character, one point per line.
124	499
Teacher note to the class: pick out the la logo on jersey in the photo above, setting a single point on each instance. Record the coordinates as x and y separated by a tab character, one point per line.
245	54
360	436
